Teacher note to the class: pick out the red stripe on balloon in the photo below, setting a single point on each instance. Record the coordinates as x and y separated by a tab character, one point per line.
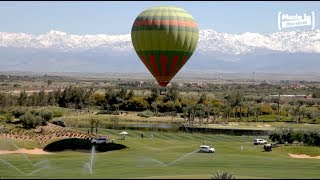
163	83
163	59
153	61
146	63
165	22
173	64
184	60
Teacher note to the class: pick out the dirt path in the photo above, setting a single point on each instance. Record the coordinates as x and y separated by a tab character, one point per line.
302	156
26	151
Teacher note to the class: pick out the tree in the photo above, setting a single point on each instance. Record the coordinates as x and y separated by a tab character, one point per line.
106	106
155	93
98	99
92	123
46	116
111	96
97	123
316	94
266	109
52	99
203	98
313	115
154	106
117	106
49	82
208	109
227	111
75	97
42	99
172	94
201	113
235	99
136	104
130	94
185	114
29	120
257	111
18	112
122	94
22	101
33	99
115	121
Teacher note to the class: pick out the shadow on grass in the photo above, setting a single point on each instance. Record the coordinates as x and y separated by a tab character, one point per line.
83	145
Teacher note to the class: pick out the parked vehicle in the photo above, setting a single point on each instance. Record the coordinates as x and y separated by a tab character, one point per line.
207	149
59	123
100	140
259	141
267	147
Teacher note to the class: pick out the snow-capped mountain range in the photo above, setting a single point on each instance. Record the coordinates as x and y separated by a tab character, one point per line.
216	51
209	40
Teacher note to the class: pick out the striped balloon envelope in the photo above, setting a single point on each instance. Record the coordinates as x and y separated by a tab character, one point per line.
164	38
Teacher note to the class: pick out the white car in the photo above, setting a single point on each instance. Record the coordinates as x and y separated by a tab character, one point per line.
259	141
208	149
100	140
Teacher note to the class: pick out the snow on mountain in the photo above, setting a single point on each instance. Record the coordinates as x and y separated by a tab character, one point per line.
210	41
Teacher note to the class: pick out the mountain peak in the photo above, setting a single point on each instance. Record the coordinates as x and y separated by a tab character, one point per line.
55	32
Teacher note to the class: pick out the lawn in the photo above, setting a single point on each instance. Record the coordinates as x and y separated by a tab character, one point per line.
158	157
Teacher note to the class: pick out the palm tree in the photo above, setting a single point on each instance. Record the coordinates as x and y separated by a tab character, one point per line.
92	123
97	123
108	108
256	112
117	108
250	110
154	106
227	111
235	100
208	109
185	112
201	113
222	175
191	114
215	111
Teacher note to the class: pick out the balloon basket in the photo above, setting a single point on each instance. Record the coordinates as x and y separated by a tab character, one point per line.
163	91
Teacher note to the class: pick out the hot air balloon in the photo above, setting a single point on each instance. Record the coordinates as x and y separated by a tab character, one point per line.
164	38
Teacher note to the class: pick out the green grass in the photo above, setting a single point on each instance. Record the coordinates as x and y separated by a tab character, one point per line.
136	161
6	144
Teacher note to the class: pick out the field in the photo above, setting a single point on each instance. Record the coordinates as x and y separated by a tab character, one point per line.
166	155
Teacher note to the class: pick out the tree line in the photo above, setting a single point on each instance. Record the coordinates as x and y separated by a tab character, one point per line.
234	105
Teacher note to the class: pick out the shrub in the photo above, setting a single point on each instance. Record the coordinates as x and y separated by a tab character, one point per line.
103	112
18	112
222	175
29	120
146	113
57	112
282	135
35	112
46	116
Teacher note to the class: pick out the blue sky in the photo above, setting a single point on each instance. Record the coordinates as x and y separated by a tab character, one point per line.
107	17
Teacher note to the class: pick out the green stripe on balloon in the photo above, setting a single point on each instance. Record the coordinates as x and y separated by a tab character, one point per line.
168	41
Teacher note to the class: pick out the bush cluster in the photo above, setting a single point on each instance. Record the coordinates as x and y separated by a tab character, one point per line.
289	135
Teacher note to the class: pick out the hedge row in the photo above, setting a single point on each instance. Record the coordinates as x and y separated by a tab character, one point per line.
289	135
